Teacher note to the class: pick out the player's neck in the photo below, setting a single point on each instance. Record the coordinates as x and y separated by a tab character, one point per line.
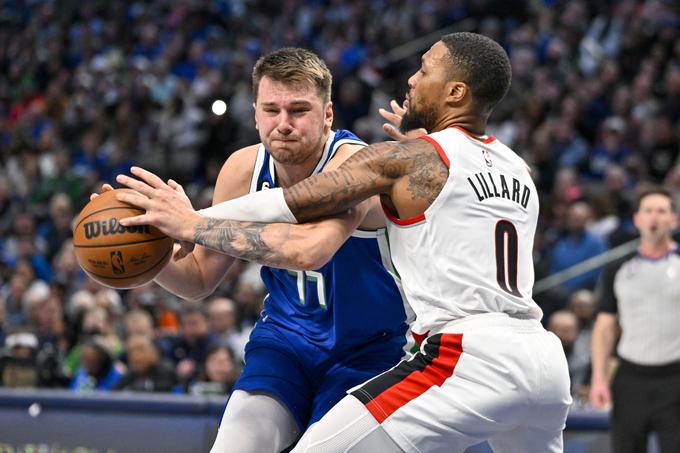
473	124
290	174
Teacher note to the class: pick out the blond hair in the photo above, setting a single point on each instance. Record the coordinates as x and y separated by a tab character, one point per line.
294	66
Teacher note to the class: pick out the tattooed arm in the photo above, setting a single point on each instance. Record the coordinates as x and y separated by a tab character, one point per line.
302	247
411	174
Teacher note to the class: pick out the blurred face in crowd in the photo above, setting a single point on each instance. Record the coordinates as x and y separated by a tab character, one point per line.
219	366
139	323
582	303
222	315
293	121
142	353
194	326
564	325
655	218
92	360
578	216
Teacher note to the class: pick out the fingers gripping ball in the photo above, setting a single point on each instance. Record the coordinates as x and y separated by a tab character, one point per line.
114	255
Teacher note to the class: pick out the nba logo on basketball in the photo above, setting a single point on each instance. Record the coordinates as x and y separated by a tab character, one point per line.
117	262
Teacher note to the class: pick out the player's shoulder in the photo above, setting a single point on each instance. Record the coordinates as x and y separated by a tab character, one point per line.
236	173
347	144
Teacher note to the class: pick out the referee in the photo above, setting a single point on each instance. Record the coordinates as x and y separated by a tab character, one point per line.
639	297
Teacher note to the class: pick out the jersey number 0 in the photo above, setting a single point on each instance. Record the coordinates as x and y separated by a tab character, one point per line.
506	257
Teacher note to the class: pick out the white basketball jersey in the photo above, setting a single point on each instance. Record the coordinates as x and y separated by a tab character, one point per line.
471	251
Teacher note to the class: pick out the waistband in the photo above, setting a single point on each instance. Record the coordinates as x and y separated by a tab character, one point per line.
488	320
666	370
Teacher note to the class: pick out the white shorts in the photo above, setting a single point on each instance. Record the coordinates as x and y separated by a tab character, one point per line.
486	377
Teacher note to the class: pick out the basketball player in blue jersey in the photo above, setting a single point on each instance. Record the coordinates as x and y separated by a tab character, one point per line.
334	315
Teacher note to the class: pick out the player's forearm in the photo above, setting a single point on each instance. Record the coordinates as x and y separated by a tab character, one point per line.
185	278
267	244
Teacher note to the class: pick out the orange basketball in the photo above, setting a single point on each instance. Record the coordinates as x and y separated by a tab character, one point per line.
114	255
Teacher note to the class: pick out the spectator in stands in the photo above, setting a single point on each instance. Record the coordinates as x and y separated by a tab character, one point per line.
611	150
187	350
97	369
146	371
57	228
139	322
12	294
564	324
225	326
218	374
2	324
638	298
18	360
576	246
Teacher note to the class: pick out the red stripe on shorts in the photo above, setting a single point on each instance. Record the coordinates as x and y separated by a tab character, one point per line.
418	382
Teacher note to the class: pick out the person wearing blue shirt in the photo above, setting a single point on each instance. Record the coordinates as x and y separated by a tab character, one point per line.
334	315
97	370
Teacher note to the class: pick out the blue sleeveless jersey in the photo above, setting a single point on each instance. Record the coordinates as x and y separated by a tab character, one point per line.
353	299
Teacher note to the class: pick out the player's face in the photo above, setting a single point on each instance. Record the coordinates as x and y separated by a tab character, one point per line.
292	120
426	86
655	219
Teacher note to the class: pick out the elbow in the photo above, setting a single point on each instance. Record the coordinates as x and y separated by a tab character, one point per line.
309	260
197	296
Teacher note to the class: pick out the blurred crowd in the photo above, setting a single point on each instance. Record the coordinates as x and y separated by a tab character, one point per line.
89	88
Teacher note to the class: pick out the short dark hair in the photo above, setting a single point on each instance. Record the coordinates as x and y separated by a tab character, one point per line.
482	64
294	66
654	191
193	309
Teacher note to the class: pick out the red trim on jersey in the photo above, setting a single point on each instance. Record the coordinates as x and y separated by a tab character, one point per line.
486	141
439	149
418	382
419	337
402	222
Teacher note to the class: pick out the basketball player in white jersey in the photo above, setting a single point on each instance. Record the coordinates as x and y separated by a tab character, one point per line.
462	212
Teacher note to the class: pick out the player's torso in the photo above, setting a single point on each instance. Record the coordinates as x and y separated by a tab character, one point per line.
351	299
471	251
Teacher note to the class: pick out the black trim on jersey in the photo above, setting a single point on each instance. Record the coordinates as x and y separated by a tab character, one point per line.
604	291
373	388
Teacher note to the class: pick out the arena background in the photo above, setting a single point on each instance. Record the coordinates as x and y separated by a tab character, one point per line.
89	88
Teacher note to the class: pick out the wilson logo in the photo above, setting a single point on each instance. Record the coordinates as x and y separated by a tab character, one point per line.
110	227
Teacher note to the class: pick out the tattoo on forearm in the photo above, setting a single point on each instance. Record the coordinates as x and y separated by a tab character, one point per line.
243	240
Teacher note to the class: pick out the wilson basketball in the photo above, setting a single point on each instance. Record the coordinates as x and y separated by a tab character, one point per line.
114	255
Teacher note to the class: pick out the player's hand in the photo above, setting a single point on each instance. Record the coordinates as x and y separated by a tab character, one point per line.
600	395
105	188
167	206
394	121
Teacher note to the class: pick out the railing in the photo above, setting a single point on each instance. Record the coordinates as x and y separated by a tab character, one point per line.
60	421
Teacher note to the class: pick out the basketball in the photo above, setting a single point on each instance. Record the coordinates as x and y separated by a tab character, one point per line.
117	256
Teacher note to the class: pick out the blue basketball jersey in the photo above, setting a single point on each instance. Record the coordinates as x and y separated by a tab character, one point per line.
353	299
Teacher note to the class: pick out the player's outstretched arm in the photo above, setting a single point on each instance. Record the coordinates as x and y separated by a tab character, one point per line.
303	247
372	171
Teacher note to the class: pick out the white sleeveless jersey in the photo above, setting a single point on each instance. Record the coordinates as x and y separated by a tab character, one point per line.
471	251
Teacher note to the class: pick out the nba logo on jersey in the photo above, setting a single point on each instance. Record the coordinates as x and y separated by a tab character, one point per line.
487	158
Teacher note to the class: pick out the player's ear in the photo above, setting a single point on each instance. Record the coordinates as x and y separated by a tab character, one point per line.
328	114
254	111
456	92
